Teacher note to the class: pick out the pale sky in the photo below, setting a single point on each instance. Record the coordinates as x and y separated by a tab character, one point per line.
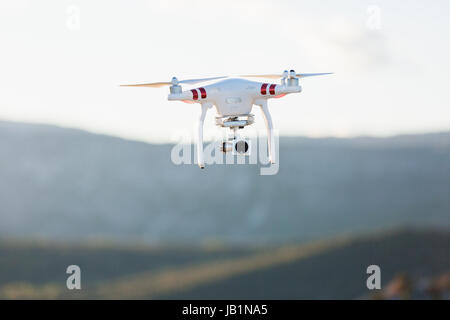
61	63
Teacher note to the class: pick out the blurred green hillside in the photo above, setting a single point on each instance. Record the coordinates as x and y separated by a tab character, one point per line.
326	269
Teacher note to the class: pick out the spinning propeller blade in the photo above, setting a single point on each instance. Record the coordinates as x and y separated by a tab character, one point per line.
162	84
194	81
267	76
277	76
150	85
304	75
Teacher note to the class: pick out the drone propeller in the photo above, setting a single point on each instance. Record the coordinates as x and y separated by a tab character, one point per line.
173	82
276	76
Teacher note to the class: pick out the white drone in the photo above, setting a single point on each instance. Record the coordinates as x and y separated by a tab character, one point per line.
234	99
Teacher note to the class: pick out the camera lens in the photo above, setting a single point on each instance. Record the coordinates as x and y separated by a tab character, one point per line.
241	146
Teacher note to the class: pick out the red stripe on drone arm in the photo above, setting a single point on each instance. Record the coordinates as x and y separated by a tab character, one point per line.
272	89
203	92
194	94
264	88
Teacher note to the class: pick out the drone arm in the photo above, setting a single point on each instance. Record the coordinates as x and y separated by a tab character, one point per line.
181	96
200	160
268	120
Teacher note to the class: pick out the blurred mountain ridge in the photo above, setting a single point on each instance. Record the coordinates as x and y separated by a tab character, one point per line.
59	183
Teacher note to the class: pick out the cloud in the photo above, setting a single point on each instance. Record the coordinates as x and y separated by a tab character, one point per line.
339	44
358	46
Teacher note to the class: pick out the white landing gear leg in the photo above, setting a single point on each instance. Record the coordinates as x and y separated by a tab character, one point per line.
200	160
269	126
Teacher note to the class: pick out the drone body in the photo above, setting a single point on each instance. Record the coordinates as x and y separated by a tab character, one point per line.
233	96
234	99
